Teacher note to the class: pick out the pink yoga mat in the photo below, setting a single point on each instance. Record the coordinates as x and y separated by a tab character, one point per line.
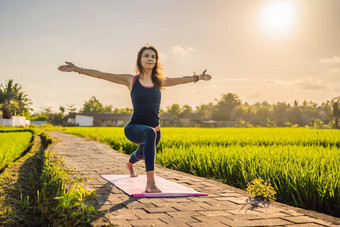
135	186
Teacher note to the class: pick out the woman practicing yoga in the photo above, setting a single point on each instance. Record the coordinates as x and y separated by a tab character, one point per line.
145	89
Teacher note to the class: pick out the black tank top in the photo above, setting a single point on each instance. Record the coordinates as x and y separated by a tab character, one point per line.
146	103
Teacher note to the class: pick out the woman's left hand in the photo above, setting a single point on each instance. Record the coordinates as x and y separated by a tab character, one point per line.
204	76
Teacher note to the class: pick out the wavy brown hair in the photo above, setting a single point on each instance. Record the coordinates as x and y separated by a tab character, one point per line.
157	76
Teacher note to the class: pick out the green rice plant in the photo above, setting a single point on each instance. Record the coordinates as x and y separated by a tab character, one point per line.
13	145
221	136
303	164
307	177
250	136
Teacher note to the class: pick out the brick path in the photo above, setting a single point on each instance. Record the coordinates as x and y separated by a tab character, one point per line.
224	205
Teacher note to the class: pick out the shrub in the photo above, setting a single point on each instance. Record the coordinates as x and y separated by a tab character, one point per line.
41	117
261	189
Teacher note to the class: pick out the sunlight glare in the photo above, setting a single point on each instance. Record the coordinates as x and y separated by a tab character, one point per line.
278	16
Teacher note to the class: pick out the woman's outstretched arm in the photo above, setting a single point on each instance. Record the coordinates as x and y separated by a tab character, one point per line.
124	79
186	79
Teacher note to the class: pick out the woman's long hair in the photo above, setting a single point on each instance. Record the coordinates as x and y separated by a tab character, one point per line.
156	75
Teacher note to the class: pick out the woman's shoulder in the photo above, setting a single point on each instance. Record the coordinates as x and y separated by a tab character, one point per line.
133	80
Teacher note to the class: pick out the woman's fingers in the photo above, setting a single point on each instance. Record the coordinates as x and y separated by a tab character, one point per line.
206	76
66	68
69	63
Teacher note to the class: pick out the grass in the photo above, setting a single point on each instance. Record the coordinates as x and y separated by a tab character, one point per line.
62	200
38	190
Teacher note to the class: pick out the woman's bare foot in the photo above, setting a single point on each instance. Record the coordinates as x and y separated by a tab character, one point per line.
152	189
129	166
150	182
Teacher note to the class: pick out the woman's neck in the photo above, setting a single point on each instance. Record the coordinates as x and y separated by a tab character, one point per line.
146	75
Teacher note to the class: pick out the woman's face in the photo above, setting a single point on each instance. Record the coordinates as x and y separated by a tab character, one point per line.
148	59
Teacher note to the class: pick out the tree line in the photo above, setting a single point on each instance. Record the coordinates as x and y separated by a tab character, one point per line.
14	102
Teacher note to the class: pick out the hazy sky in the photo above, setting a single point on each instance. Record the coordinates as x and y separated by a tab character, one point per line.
261	50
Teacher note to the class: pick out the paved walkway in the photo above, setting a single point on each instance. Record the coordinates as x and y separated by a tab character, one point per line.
224	205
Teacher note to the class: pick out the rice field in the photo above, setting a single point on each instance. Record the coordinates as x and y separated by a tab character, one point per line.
302	164
12	145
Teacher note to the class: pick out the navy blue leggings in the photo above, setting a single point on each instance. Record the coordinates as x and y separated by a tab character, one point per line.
147	139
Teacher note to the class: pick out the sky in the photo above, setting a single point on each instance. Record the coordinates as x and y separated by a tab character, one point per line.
260	50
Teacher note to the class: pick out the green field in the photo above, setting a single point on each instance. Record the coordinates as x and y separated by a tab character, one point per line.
12	145
302	164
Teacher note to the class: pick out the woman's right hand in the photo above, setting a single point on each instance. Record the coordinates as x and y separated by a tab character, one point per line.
69	67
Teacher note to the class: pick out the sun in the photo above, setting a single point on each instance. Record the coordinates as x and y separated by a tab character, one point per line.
278	16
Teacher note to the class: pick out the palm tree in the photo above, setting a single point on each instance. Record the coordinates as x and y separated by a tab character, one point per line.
14	107
13	101
336	110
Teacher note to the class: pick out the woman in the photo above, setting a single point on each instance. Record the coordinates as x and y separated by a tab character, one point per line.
145	90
